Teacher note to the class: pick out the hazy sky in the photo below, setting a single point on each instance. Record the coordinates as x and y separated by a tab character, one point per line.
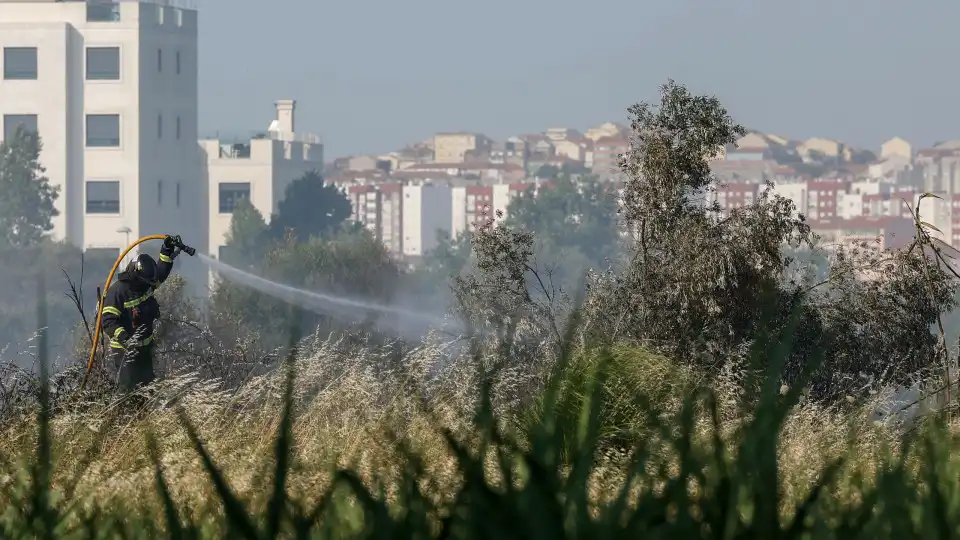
371	75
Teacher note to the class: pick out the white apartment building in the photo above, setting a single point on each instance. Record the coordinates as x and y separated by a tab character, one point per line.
111	87
259	169
798	192
427	209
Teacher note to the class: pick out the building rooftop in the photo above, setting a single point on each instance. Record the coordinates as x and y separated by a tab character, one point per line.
246	136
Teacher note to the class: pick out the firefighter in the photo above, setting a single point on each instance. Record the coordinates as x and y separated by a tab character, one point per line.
129	311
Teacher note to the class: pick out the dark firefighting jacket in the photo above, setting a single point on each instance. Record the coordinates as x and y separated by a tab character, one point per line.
129	307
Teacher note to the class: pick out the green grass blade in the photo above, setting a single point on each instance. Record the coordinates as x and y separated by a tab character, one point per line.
174	527
239	520
283	450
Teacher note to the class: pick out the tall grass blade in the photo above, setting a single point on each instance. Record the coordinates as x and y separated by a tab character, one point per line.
282	454
238	520
44	515
174	527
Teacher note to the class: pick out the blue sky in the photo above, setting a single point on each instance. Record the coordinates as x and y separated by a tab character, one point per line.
371	75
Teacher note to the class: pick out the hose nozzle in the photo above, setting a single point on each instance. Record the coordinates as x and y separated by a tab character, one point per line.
183	247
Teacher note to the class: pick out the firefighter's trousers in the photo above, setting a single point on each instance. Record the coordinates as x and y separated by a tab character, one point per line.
134	367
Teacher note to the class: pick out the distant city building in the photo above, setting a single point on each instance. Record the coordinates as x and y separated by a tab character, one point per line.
848	193
606	155
896	147
379	208
453	147
427	209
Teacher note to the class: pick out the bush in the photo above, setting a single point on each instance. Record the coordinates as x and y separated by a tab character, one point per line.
349	264
355	455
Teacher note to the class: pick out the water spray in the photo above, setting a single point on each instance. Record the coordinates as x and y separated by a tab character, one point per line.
313	301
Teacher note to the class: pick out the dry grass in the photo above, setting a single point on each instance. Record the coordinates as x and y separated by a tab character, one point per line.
352	403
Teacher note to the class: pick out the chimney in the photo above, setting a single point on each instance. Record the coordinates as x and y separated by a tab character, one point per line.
285	109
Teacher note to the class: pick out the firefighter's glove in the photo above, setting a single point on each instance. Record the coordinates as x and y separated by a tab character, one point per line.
171	242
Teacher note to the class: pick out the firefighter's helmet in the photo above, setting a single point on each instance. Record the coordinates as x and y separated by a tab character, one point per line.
144	269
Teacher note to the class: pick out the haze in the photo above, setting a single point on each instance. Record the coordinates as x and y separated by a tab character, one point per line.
372	76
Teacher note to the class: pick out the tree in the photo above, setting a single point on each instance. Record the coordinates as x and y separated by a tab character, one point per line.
547	171
450	255
310	208
571	215
26	196
429	281
350	264
703	287
247	236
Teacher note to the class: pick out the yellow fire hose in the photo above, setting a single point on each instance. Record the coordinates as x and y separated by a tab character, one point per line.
96	333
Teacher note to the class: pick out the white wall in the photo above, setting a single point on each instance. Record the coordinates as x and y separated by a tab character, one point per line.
871	187
169	161
270	168
426	209
413	205
889	166
501	199
47	97
796	192
849	205
936	212
61	97
458	197
257	170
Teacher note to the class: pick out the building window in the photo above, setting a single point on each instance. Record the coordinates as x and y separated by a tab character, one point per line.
177	194
103	130
160	13
13	121
159	192
20	63
159	126
103	197
230	195
178	16
103	11
103	63
177	61
178	128
159	60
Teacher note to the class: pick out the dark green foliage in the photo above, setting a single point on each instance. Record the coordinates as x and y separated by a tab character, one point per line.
351	264
310	208
247	238
316	250
26	196
696	282
428	282
571	215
